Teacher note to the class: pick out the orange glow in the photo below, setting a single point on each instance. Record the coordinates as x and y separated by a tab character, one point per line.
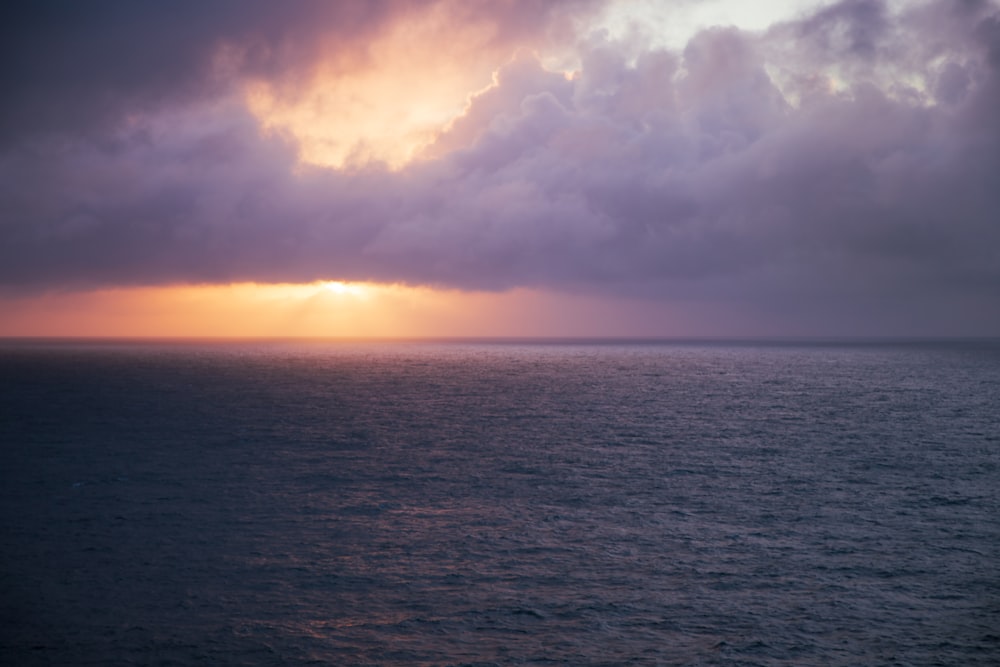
326	309
244	309
414	79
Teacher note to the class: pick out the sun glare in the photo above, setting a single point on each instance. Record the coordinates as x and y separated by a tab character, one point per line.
359	290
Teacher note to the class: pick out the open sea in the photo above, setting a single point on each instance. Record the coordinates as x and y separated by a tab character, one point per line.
499	503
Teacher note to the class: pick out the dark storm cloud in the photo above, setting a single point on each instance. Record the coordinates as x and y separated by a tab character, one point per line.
66	66
832	169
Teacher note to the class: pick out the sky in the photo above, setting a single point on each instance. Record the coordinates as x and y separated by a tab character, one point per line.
505	168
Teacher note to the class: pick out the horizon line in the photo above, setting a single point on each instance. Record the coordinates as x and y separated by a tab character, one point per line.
545	339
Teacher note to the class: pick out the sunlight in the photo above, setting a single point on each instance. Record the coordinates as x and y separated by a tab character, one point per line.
359	290
328	309
389	106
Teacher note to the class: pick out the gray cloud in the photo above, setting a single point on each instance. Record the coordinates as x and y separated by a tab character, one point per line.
69	67
835	172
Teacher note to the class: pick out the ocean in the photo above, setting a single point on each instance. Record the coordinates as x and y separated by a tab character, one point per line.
499	503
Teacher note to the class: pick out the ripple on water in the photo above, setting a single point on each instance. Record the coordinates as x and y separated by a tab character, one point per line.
474	504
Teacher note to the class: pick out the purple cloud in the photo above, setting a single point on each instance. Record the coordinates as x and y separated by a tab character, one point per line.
843	168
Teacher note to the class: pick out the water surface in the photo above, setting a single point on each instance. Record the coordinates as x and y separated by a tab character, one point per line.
469	503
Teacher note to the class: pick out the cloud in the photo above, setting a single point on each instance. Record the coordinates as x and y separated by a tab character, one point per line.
831	169
69	67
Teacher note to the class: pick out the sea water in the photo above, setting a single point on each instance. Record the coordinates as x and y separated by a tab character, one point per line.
508	503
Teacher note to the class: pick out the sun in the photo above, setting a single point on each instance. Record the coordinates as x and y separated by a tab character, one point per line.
339	288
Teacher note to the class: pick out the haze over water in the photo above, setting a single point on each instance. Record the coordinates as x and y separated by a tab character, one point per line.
478	503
